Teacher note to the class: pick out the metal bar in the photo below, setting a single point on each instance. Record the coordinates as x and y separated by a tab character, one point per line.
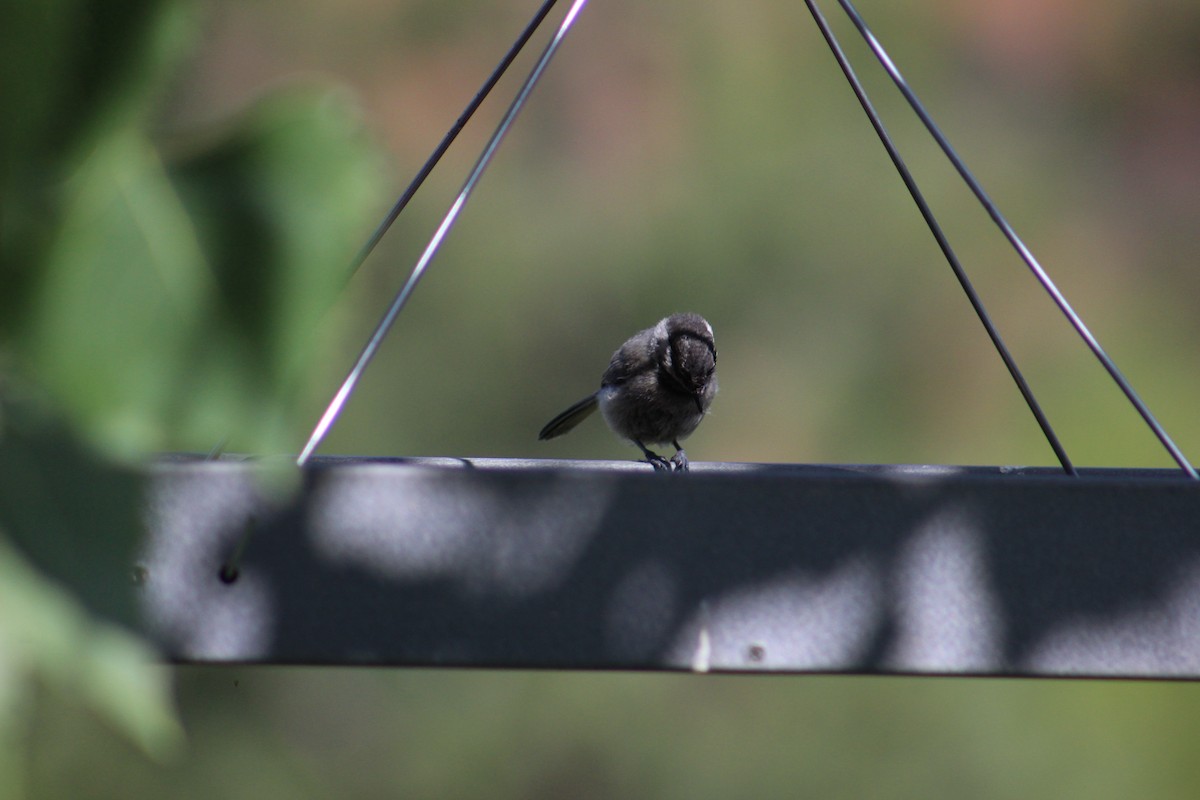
734	567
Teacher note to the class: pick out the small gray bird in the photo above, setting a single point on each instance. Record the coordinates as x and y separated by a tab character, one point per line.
656	389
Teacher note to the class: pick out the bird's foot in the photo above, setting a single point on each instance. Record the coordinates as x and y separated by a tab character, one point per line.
680	461
659	463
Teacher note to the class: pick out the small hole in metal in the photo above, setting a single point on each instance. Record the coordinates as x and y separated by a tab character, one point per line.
232	566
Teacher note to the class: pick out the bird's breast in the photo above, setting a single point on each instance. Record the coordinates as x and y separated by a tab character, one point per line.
639	410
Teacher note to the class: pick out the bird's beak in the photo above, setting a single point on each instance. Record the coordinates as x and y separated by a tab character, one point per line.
699	404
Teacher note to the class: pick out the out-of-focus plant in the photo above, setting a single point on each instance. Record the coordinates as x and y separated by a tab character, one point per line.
152	296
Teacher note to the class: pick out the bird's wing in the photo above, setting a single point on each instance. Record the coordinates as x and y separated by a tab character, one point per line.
634	357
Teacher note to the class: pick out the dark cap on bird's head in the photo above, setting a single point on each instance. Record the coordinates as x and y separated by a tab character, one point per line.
690	352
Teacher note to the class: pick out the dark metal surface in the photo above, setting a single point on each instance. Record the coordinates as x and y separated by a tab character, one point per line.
552	564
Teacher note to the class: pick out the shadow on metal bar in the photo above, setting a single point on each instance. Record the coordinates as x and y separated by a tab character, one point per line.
593	565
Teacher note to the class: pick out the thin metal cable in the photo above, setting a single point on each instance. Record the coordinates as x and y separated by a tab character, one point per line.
938	234
994	212
436	156
449	138
372	345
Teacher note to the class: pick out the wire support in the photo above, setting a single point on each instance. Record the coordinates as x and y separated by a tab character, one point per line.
1022	250
449	138
334	409
943	243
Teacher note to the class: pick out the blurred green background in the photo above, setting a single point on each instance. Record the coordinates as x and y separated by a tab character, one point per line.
185	183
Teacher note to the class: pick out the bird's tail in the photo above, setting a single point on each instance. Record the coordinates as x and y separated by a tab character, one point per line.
569	418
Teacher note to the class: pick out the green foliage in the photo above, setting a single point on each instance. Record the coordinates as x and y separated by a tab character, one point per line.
69	526
151	298
75	73
174	296
73	514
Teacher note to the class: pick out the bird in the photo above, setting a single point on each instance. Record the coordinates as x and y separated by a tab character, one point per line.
657	389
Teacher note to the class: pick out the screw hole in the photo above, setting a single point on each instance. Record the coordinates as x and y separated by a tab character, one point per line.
232	566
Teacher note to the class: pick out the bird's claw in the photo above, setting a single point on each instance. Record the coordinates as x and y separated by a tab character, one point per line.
659	463
680	461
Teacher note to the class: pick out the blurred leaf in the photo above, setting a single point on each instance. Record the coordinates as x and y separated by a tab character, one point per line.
45	632
120	297
71	71
157	305
76	517
279	204
172	305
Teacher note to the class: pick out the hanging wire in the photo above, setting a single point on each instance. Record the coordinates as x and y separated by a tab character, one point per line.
431	162
994	212
449	138
372	346
943	243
